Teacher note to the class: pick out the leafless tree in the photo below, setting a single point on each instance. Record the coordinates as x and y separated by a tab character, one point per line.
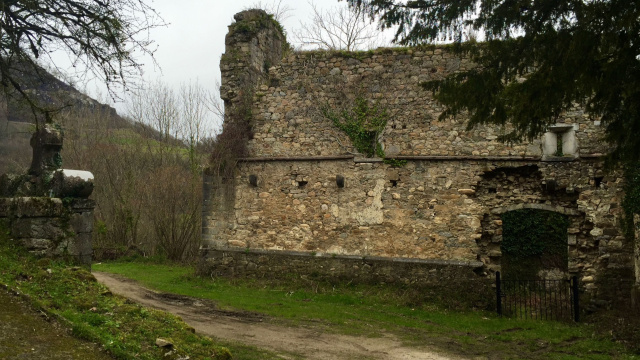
185	116
337	28
201	116
100	37
280	11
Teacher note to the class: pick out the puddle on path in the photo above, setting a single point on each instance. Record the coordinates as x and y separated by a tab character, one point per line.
25	335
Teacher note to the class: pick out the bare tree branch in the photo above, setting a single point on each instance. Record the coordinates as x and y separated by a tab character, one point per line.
338	28
276	8
99	36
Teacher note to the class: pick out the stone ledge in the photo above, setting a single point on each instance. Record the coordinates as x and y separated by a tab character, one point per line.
31	207
466	158
296	158
472	264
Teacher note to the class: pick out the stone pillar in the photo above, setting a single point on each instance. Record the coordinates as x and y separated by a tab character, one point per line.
47	144
80	245
217	214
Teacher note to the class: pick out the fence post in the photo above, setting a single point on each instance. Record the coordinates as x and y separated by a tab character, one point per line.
498	294
576	298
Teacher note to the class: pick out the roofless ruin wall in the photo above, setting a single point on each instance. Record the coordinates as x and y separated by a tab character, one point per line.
444	205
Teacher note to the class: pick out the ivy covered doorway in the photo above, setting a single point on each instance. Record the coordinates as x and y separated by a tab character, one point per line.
534	244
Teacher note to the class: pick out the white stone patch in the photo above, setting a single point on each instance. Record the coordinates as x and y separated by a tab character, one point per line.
84	175
372	215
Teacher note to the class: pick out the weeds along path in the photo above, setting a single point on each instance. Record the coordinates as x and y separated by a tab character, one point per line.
252	329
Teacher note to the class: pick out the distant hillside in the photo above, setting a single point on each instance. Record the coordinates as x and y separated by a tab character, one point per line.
53	93
79	113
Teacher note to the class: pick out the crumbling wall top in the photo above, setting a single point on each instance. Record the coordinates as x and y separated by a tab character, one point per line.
255	42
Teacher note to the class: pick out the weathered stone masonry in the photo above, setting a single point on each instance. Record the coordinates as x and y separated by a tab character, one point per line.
47	210
444	204
50	227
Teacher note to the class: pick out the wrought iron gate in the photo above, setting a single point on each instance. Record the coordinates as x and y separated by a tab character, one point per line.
538	299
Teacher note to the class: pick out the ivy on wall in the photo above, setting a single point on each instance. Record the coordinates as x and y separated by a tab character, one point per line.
533	240
363	124
631	201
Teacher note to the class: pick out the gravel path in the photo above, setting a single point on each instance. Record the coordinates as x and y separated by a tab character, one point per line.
251	329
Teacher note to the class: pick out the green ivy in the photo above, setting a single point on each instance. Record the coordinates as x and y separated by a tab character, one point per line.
363	124
631	201
57	161
533	240
395	162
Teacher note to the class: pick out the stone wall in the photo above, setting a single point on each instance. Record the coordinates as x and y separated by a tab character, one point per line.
50	227
445	204
438	278
288	107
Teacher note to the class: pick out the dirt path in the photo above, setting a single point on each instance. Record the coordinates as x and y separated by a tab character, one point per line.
250	329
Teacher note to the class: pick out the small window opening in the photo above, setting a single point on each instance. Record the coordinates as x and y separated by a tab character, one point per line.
559	151
559	143
598	181
394	183
404	127
493	190
301	184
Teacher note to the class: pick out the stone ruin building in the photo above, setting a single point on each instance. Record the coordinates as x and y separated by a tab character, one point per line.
304	201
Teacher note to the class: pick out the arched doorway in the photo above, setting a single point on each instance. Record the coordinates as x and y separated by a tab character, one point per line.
534	244
571	232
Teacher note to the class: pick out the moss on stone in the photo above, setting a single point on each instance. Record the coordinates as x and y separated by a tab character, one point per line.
250	22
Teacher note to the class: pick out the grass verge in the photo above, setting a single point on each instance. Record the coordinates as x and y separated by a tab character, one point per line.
372	311
124	329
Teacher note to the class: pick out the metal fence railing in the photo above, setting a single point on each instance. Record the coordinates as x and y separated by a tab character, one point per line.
538	299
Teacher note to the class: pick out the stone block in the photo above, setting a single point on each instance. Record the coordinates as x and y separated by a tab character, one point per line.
466	191
35	207
82	205
42	228
36	244
81	246
81	222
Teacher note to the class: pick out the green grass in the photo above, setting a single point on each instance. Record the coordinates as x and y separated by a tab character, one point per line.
372	311
124	329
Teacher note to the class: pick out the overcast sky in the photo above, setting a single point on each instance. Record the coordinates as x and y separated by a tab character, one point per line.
189	48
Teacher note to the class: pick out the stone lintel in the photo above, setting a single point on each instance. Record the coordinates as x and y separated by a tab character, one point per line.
558	209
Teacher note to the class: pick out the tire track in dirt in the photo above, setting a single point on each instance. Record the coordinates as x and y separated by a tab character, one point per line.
255	330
